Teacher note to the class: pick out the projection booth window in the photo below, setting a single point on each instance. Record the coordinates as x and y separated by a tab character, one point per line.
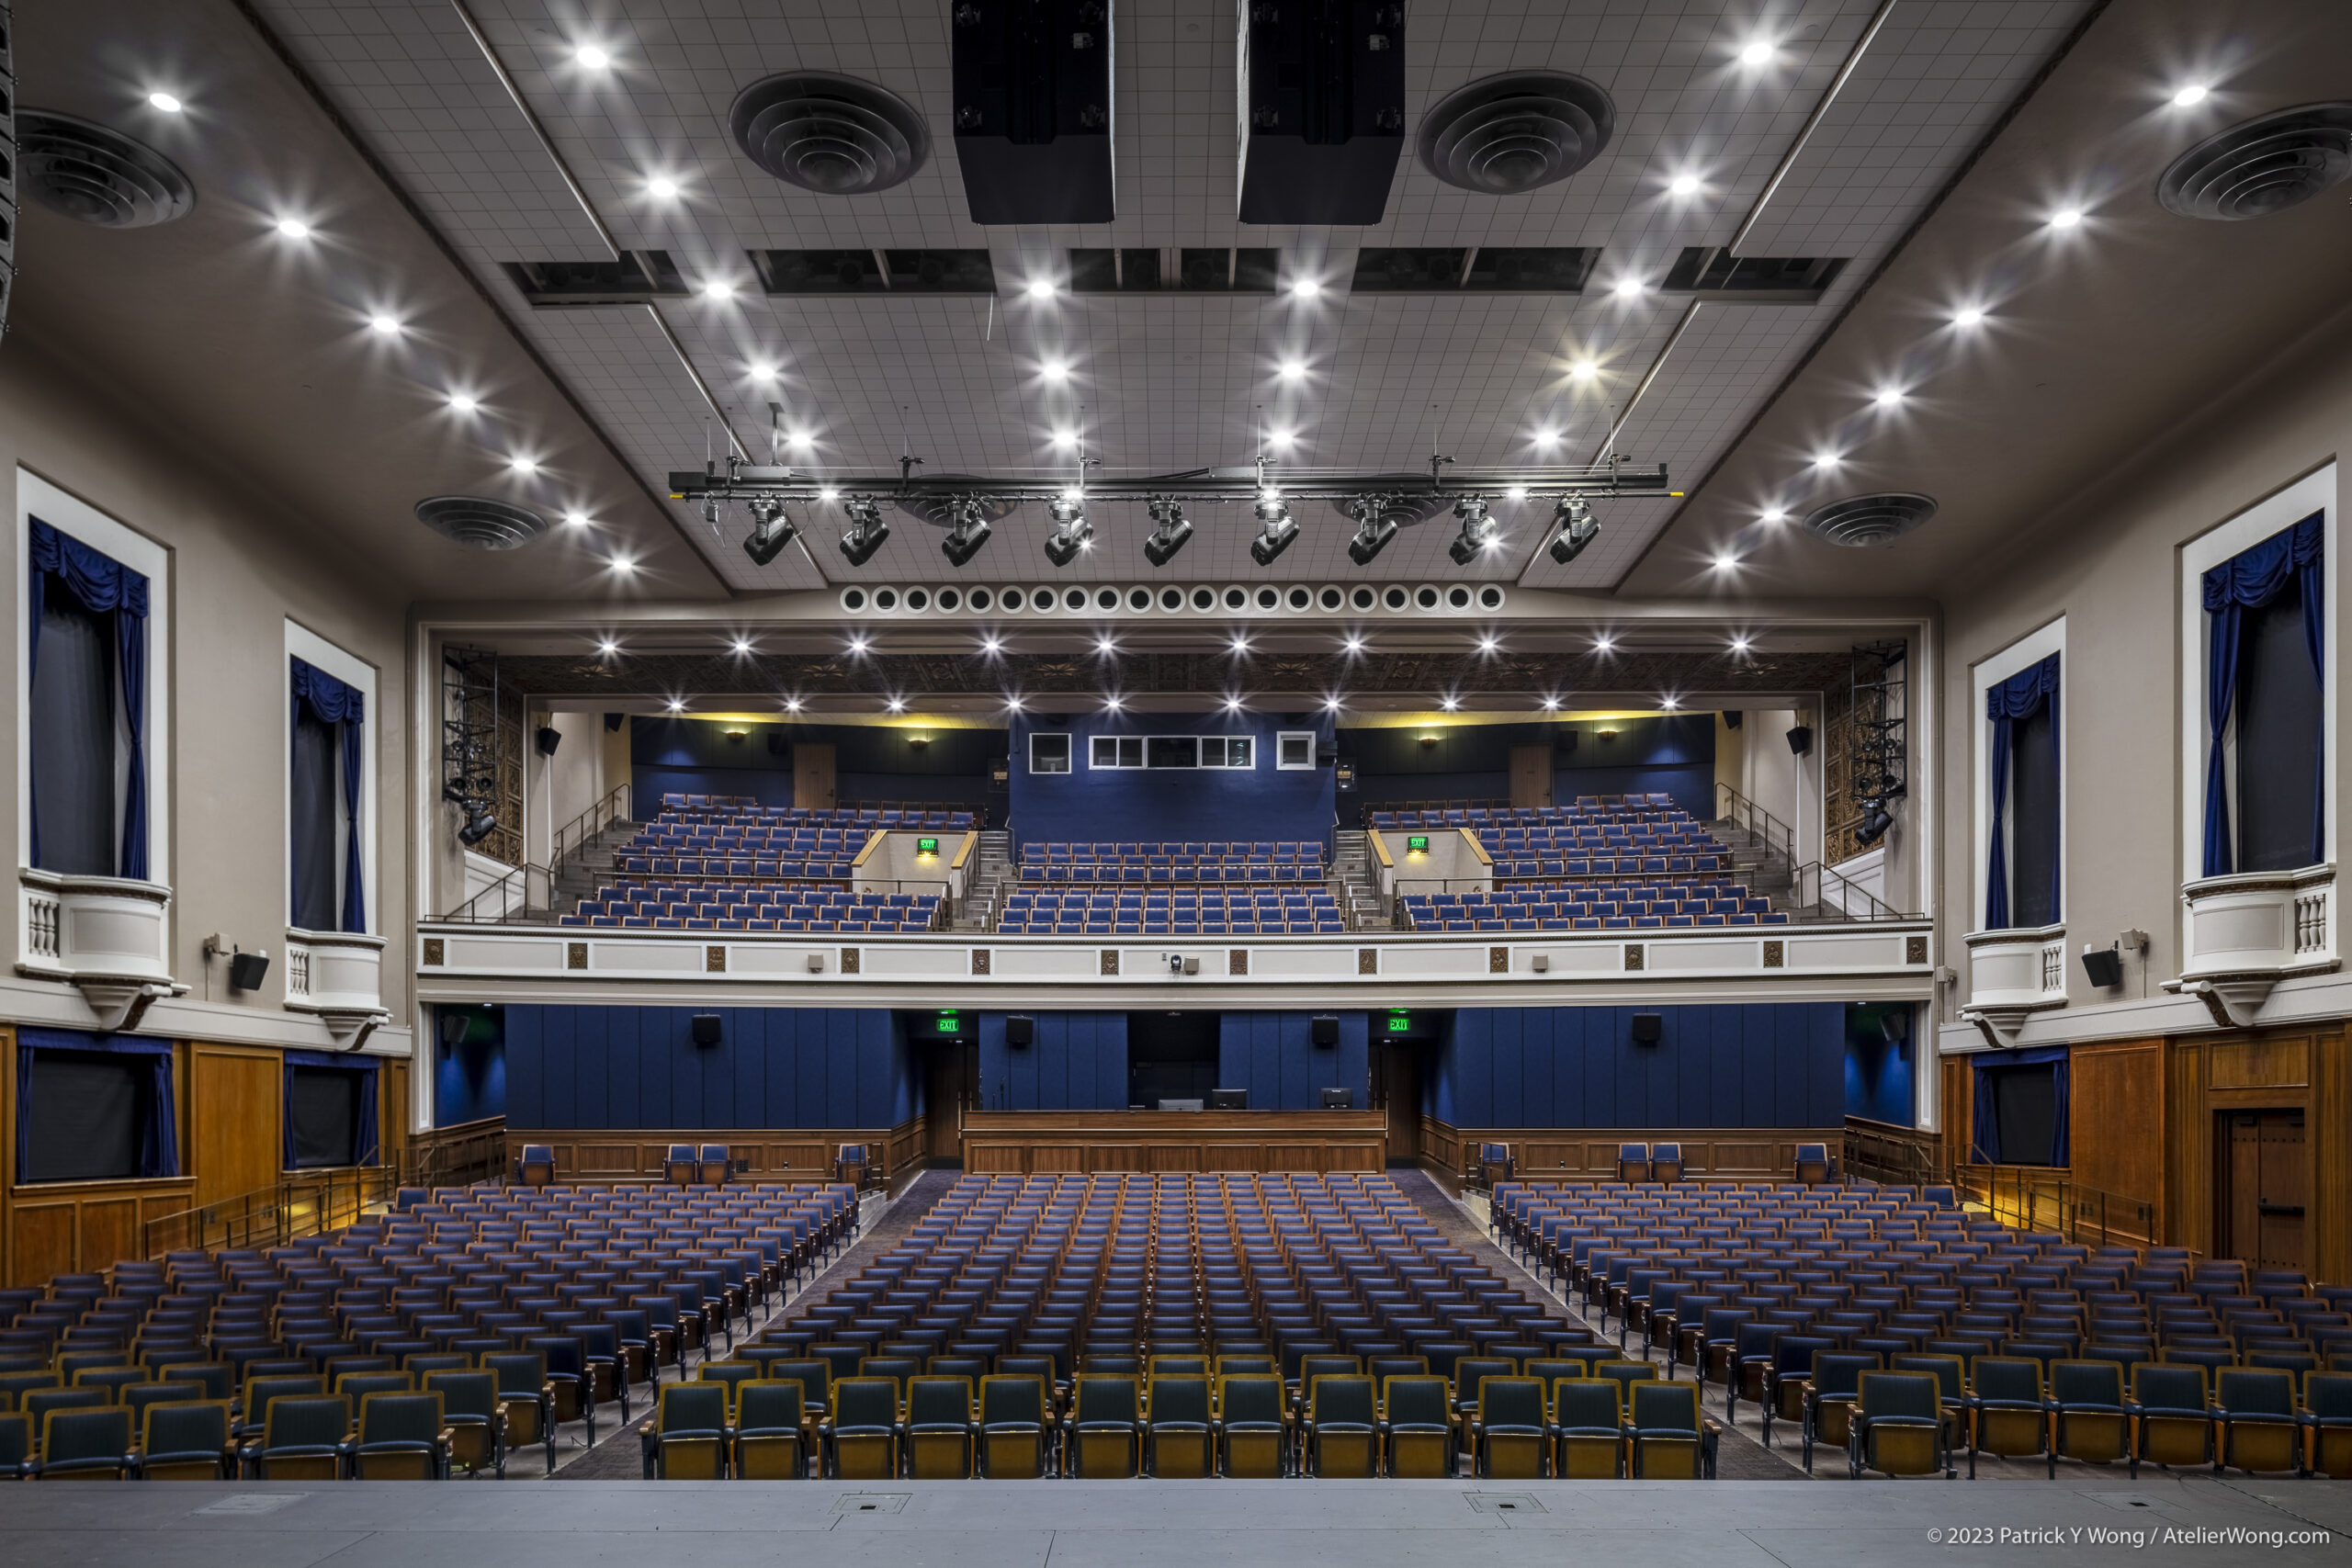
1114	752
1048	753
1293	750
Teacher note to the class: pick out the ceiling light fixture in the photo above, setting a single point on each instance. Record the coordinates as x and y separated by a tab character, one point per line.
864	534
1725	560
1488	645
623	565
165	102
2188	98
801	439
575	518
293	229
2067	217
677	706
743	646
1233	704
588	57
1449	702
1758	52
718	288
1669	703
991	645
1772	514
1351	644
661	187
1105	645
463	402
1040	289
1240	644
1630	287
1684	185
1551	705
1293	370
1331	704
1066	439
1516	492
792	705
1072	532
1171	532
1827	460
764	372
1739	645
971	530
1012	705
1573	527
897	704
1968	316
608	648
1603	643
857	648
383	325
1279	439
829	494
1055	371
1304	288
1889	398
523	464
1477	532
1111	702
1586	369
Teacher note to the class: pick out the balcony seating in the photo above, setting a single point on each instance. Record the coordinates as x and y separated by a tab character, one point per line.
1639	836
1295	912
754	907
1612	906
723	836
1164	864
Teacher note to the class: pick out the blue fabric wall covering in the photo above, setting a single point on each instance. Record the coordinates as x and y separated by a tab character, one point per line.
1879	1083
1076	1061
1106	805
469	1082
1752	1065
1273	1055
1672	754
693	756
624	1067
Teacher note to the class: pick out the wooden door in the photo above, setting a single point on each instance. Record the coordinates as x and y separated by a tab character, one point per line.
949	1080
1397	1089
2265	1187
813	776
1530	775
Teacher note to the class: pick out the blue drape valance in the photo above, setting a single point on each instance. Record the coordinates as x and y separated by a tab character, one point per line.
365	1142
159	1141
1984	1129
2247	581
101	585
338	703
2006	702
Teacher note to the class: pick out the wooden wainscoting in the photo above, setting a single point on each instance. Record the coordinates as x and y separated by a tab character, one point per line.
1588	1154
1088	1141
234	1143
2115	1107
612	1156
2308	1070
66	1227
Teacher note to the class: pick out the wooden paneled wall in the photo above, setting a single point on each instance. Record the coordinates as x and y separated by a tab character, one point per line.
1583	1154
236	1144
600	1155
1085	1140
2306	1070
2115	1099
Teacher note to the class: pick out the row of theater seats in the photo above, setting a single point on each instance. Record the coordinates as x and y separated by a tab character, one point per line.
723	836
1307	912
1790	1297
1581	907
560	1299
743	810
1285	861
1630	807
730	906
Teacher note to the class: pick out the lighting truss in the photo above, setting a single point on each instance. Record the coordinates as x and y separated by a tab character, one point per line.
1877	781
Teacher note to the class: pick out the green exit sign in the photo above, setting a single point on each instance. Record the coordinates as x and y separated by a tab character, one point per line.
1400	1024
948	1023
1419	844
926	846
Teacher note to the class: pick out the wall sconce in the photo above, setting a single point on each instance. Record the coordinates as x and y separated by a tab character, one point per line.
1429	739
1606	734
735	732
918	741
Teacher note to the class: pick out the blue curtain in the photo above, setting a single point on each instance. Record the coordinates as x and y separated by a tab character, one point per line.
159	1141
334	702
1985	1131
366	1144
2248	580
103	585
2006	702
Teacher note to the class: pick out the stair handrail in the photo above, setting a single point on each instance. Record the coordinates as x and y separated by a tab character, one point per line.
508	907
573	837
1734	803
1848	890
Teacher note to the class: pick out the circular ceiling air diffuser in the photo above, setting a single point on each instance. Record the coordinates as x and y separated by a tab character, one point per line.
479	523
1862	520
1510	134
835	135
2261	166
95	174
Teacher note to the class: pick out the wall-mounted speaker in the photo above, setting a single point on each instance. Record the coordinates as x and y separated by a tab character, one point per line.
246	971
1032	83
1800	739
710	1029
1732	718
1649	1028
613	721
548	737
1322	105
1324	1030
1020	1030
1895	1025
2104	965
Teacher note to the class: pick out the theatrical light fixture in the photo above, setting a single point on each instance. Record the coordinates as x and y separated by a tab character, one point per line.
1375	527
1772	514
575	519
1889	398
293	229
1586	369
623	565
1171	531
1827	460
771	531
1573	527
2190	96
1477	530
1277	529
1072	532
828	495
1293	370
1630	287
523	464
1876	820
970	532
865	533
1055	371
480	824
588	57
718	288
170	105
1066	439
1725	560
1516	492
463	402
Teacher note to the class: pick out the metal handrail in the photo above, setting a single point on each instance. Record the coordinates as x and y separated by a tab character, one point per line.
508	907
1874	907
2047	1199
1734	803
1885	1152
572	837
288	1210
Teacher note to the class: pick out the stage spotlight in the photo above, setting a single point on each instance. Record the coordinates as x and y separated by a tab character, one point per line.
1171	535
1277	528
480	824
1072	532
867	531
1875	822
771	531
1374	528
1573	517
971	531
1477	530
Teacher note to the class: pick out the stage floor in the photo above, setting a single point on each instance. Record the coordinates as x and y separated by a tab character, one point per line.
1277	1524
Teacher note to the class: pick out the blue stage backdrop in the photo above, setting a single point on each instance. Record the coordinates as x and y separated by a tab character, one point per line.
1273	1055
1135	805
1745	1065
1075	1061
624	1067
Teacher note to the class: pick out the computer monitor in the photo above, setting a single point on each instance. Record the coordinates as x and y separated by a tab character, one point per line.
1228	1100
1180	1105
1339	1100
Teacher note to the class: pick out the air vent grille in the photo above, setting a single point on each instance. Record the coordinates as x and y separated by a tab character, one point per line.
1860	520
1510	134
1475	269
1218	269
863	272
833	135
1712	272
96	175
479	523
2261	166
635	278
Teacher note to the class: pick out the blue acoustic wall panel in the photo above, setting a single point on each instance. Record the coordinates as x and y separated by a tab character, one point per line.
1745	1065
1878	1070
624	1067
468	1082
1112	805
1075	1061
694	756
1273	1055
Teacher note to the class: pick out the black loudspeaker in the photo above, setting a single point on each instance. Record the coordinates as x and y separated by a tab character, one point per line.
548	737
1800	739
1732	718
1323	110
1895	1025
708	1027
7	162
613	721
1324	1030
246	971
1649	1028
2104	965
1032	83
1019	1029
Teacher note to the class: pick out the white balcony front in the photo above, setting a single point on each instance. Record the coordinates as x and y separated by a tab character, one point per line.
110	936
2012	974
339	975
2244	934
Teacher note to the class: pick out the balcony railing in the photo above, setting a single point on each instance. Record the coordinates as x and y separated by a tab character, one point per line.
2047	1199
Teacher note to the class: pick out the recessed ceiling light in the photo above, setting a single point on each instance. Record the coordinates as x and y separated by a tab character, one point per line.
1603	644
801	438
897	704
1055	371
676	707
1111	702
1725	560
1293	370
1241	645
1233	704
1353	644
1684	185
742	645
1889	398
661	187
2067	217
792	705
383	325
1040	289
2189	95
1630	287
293	229
1281	438
165	102
1759	53
623	565
1013	704
1331	704
1551	705
1968	316
764	372
1066	439
1304	288
523	464
1104	644
608	648
1449	703
1827	460
718	288
1773	515
991	645
1488	645
856	645
588	57
463	402
1739	645
1584	370
575	519
1669	703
